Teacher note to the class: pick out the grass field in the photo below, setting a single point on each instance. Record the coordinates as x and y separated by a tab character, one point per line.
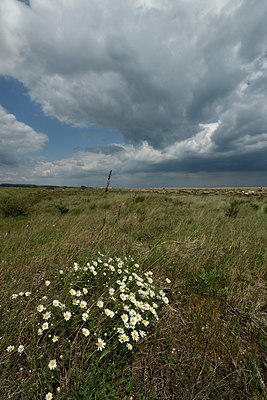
210	339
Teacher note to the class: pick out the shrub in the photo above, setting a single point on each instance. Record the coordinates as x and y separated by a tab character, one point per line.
61	207
233	209
209	281
85	314
139	199
14	206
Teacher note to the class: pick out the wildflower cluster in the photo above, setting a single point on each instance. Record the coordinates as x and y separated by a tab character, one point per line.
108	298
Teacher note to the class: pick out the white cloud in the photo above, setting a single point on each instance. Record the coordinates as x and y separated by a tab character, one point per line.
17	138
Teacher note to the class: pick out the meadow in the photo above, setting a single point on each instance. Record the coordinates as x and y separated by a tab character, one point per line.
197	261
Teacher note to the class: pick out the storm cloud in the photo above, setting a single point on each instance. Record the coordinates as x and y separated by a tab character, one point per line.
156	71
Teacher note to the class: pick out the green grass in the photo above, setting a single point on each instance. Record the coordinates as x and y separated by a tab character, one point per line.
210	341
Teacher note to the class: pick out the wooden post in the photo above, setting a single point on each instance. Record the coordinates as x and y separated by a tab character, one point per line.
109	175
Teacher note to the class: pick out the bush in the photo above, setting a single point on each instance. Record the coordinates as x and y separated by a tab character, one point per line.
86	314
61	207
14	206
209	281
139	199
233	209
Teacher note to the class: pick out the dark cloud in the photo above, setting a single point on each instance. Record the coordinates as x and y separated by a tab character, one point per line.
151	70
109	149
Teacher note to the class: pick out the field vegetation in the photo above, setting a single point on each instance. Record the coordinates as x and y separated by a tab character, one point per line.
209	340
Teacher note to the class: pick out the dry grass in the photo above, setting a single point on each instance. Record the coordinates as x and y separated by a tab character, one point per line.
211	341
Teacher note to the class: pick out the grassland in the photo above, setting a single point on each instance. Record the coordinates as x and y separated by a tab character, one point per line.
210	342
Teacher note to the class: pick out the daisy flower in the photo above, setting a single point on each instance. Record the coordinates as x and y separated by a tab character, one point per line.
123	338
47	315
120	330
21	293
27	294
123	297
49	396
168	280
85	269
165	299
133	321
61	272
124	317
145	322
40	308
14	296
47	283
85	291
45	326
9	349
52	364
83	304
67	315
44	298
72	292
138	318
100	344
85	332
111	291
78	293
39	332
100	304
142	333
75	302
55	303
135	335
85	316
20	348
129	346
55	339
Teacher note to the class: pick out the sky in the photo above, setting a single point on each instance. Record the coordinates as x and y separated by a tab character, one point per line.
166	93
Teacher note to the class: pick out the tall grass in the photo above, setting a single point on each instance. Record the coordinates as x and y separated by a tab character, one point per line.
210	342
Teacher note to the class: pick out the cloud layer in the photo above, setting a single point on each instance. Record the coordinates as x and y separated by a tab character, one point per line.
17	139
154	70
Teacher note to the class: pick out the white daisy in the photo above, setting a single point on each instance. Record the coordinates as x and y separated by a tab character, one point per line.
47	283
47	315
55	339
67	315
52	364
55	303
9	349
40	308
83	304
135	335
14	296
49	396
100	304
100	344
45	326
20	348
124	317
85	316
85	332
